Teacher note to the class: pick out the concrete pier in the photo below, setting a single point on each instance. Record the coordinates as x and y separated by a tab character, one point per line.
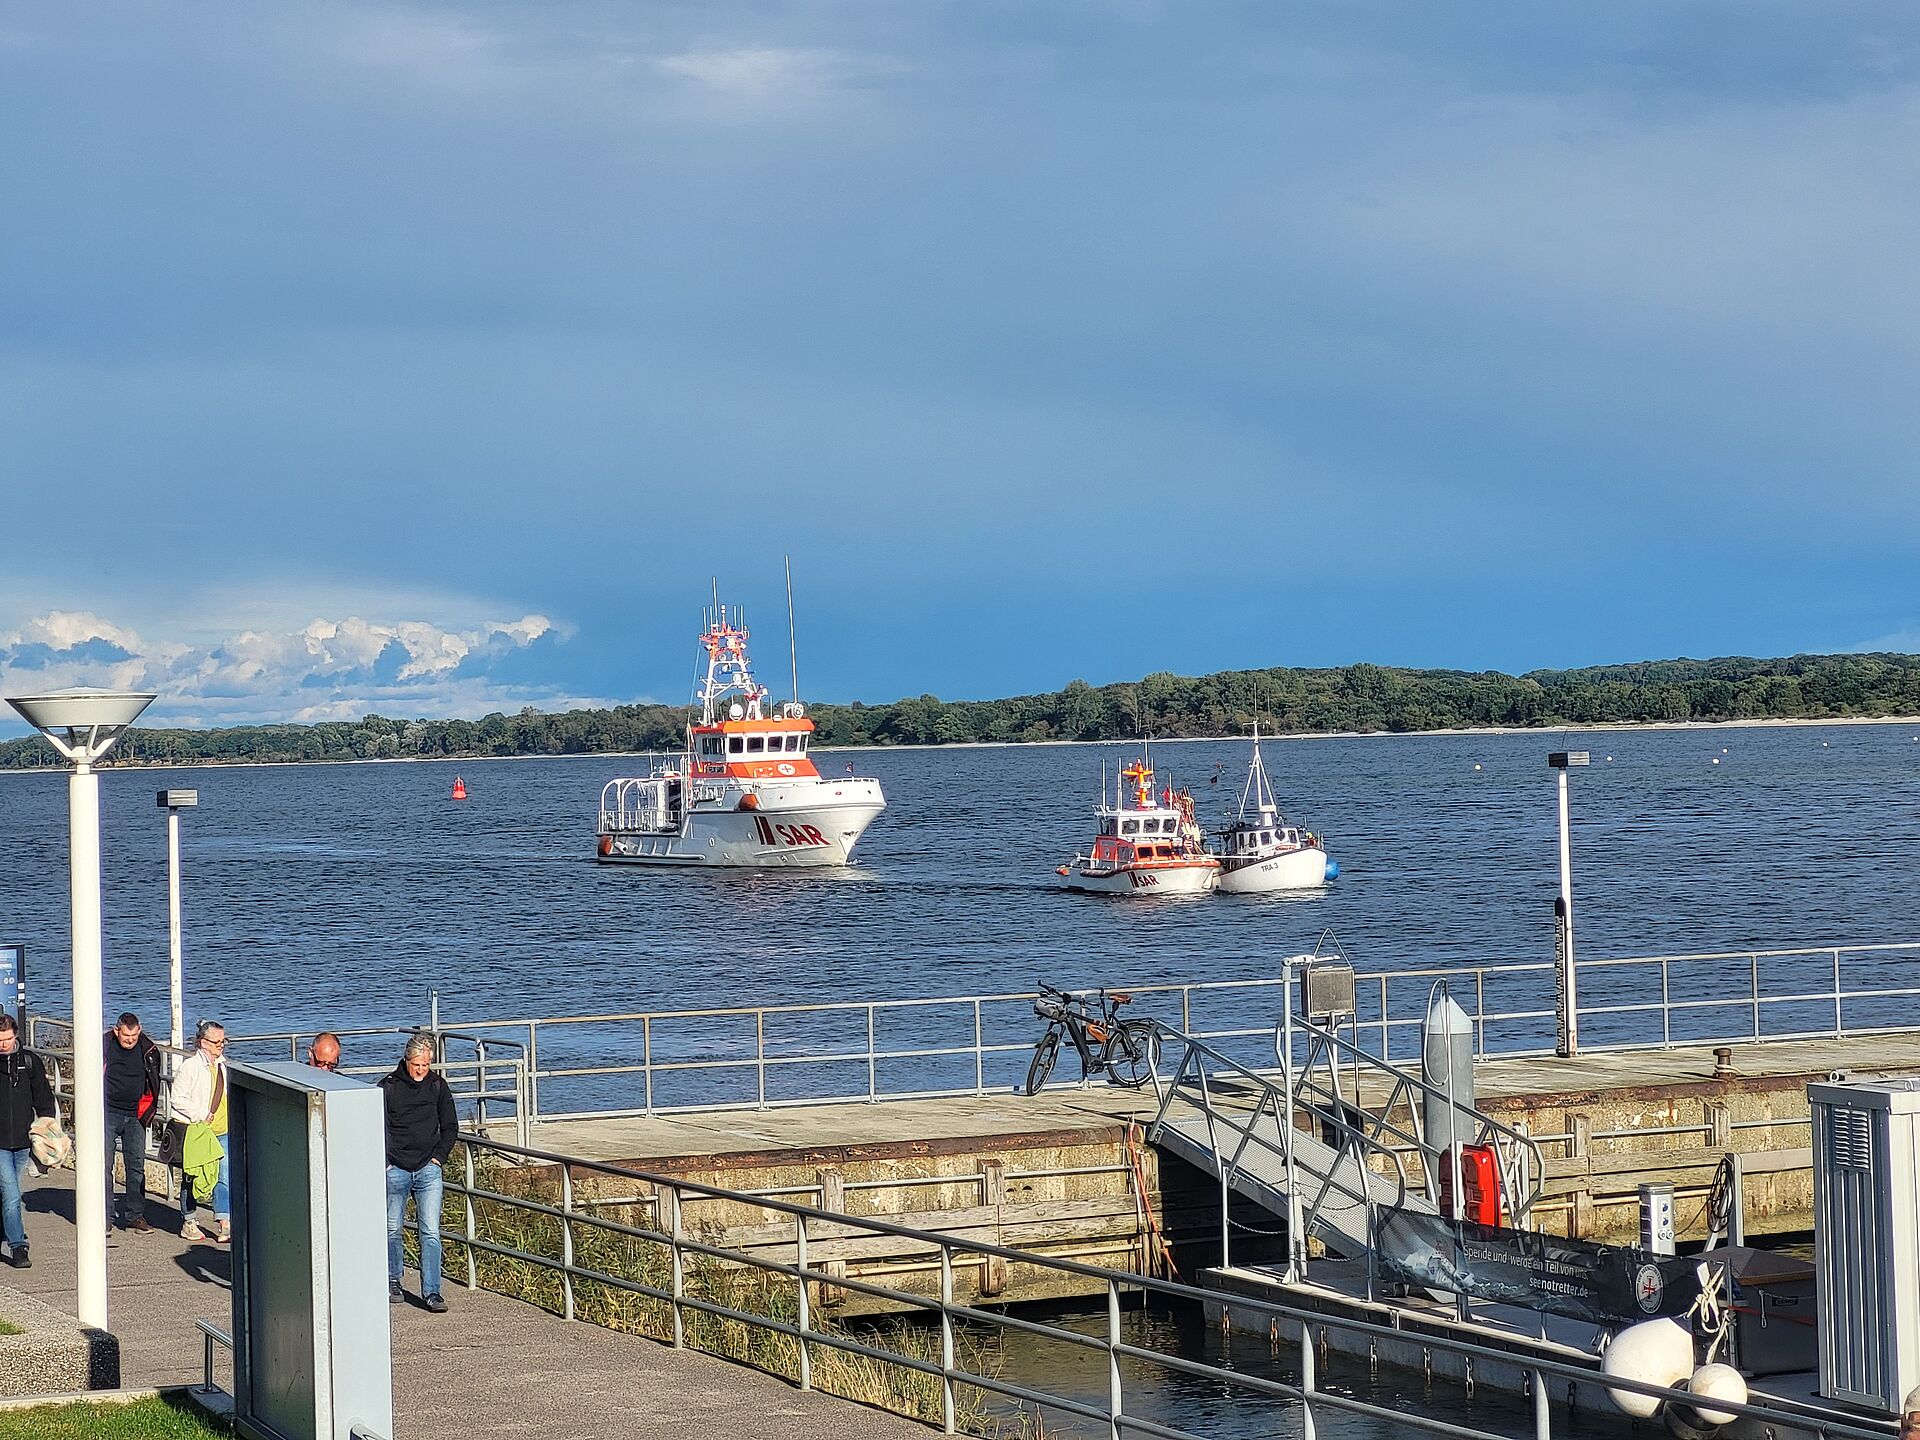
1055	1173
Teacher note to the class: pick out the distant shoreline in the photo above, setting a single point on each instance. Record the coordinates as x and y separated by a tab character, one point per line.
1616	727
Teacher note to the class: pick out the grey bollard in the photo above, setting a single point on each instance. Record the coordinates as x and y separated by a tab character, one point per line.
1446	1063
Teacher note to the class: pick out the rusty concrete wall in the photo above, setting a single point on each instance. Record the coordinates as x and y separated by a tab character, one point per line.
1602	1144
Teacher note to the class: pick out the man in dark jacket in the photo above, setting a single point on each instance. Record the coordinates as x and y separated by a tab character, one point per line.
24	1097
421	1129
133	1092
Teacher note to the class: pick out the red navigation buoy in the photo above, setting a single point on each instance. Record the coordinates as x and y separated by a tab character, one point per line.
459	788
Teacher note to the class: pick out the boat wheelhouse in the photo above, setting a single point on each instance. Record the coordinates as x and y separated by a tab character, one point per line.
745	792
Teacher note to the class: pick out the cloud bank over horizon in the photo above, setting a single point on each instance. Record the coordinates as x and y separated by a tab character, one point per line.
1049	341
326	670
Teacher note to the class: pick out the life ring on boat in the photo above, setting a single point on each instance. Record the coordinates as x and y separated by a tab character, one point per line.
606	844
784	768
749	801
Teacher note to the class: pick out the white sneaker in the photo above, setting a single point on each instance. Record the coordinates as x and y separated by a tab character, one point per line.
191	1231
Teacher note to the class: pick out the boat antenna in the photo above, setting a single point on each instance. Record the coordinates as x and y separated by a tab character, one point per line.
793	645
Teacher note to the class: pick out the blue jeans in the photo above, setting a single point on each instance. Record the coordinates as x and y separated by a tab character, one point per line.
126	1134
13	1168
425	1186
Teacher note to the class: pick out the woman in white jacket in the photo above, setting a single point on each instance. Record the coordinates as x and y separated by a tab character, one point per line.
199	1096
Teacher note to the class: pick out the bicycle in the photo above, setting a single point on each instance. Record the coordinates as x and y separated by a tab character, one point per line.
1124	1050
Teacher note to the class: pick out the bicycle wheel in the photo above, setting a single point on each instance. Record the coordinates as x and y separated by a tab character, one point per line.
1044	1055
1135	1054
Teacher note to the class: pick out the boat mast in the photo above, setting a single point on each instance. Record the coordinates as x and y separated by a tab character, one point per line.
793	644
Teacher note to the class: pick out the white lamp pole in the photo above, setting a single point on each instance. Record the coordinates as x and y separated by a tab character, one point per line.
82	725
1564	968
173	802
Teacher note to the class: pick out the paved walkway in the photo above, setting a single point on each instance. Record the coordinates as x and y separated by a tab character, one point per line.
489	1366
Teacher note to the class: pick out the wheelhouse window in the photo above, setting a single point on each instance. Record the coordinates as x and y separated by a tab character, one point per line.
734	745
755	745
1129	827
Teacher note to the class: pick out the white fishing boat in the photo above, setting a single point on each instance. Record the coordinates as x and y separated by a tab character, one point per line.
1146	845
1260	851
745	791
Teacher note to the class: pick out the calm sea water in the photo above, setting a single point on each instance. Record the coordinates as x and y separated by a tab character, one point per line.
338	895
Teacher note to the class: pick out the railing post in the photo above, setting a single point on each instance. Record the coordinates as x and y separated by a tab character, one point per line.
873	1090
533	1069
1542	1422
679	1267
473	1274
979	1054
1666	1005
646	1057
1307	1382
1839	1024
947	1417
760	1052
480	1086
806	1301
206	1364
1114	1398
1755	959
566	1240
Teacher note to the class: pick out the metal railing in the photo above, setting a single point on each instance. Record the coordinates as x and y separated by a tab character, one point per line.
649	1062
1129	1369
490	1084
1522	1167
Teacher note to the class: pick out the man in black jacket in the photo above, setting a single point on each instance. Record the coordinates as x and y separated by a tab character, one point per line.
133	1090
421	1129
24	1097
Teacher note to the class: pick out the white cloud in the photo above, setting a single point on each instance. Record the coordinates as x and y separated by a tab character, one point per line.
762	73
326	669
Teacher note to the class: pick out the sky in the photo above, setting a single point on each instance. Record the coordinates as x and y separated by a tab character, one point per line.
432	360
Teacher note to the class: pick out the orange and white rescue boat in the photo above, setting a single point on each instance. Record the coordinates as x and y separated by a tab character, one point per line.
744	792
1147	844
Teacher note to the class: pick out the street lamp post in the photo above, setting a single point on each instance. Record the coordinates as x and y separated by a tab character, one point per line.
83	725
173	802
1567	994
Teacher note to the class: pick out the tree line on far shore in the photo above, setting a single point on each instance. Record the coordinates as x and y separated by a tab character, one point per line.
1361	698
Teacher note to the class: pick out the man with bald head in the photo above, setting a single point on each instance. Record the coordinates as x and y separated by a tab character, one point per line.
324	1053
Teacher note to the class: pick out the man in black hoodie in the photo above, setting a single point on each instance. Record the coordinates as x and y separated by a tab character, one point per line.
421	1129
133	1088
24	1097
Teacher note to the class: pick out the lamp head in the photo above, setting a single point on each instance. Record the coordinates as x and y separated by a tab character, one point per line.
1561	759
81	724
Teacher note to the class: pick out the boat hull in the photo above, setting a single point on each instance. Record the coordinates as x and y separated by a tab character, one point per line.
788	828
1145	880
1290	870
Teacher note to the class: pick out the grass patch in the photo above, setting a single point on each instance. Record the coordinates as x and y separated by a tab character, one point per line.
7	1327
140	1420
881	1383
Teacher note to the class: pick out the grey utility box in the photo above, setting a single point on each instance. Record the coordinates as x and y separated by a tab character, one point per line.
312	1343
1866	1225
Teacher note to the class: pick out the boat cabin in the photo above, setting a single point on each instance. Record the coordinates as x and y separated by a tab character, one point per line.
752	749
1254	839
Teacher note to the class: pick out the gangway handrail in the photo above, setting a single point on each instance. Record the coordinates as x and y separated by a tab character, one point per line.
1527	1157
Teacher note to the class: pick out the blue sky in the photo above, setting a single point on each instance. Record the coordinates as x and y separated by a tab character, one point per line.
430	359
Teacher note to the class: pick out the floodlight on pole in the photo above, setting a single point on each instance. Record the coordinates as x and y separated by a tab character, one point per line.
173	802
1565	973
83	725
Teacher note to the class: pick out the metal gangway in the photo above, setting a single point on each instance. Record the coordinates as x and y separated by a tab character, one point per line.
1326	1141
